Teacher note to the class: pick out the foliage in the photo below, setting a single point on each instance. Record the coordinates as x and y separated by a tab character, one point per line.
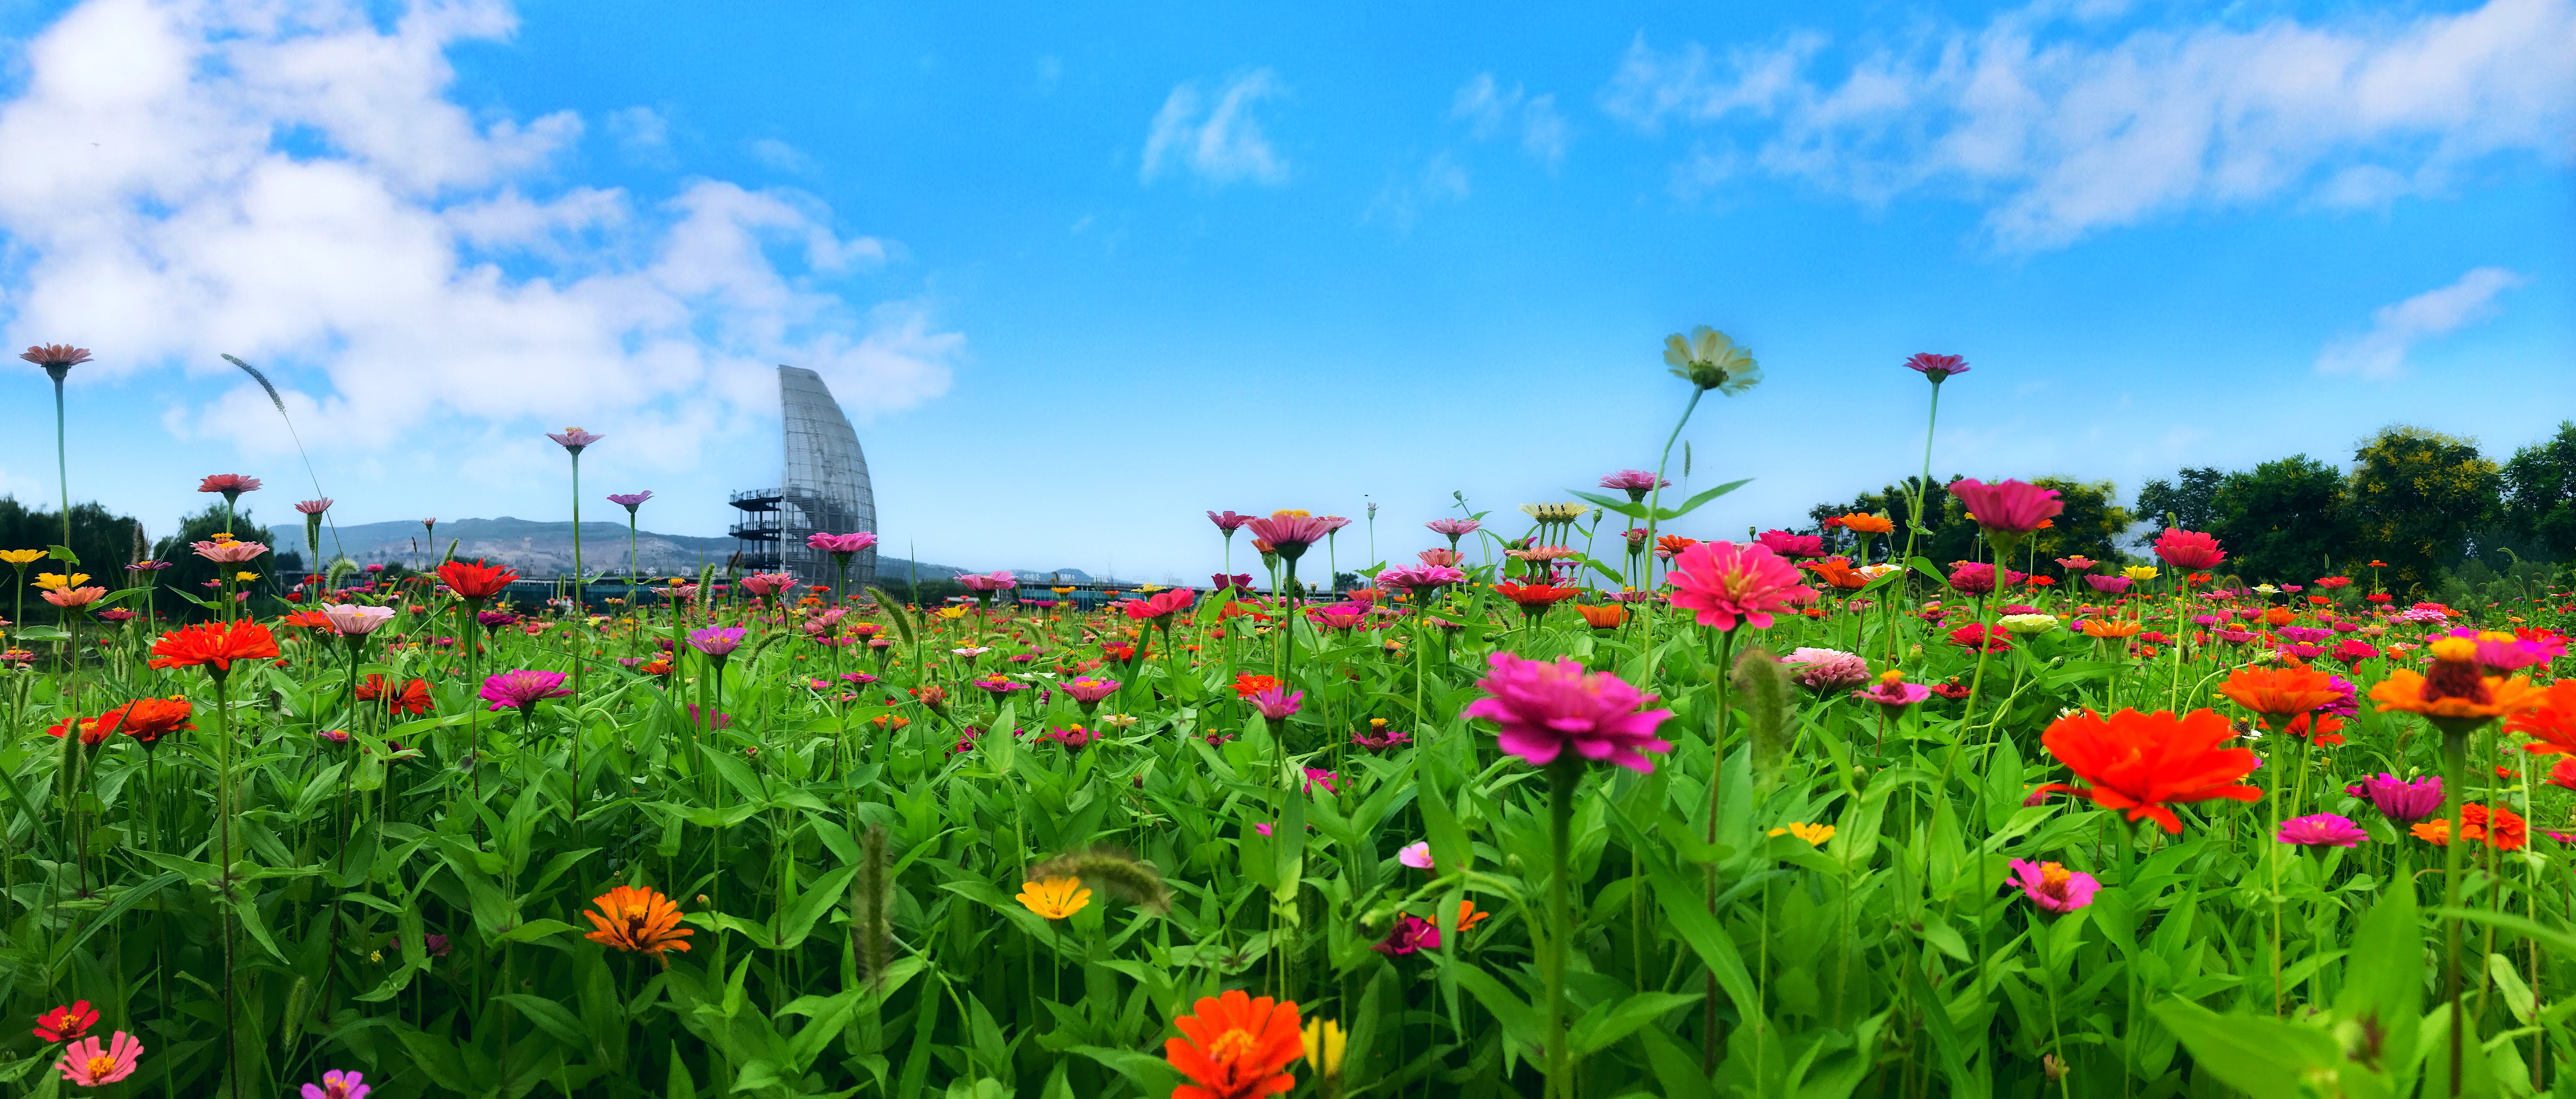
103	540
2540	492
2283	518
2415	497
2188	502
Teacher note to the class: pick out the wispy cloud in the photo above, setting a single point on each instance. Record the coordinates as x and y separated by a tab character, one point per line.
1399	204
1492	111
296	186
2395	329
1220	142
2066	129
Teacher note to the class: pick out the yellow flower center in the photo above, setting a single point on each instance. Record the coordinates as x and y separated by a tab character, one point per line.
2455	649
101	1065
2053	877
1233	1045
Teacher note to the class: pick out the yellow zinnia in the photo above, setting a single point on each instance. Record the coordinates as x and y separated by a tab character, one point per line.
1325	1043
2139	572
245	577
1814	834
1055	898
55	581
21	557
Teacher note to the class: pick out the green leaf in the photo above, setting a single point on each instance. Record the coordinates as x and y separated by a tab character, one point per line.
534	930
1520	1021
1609	504
1153	1074
2253	1054
1450	851
1692	504
1611	1020
551	1018
63	554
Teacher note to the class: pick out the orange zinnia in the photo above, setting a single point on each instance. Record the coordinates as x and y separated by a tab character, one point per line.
149	719
2279	692
1838	572
1468	917
214	645
311	620
2454	696
640	921
2552	725
2506	832
2114	628
1866	523
1608	617
2143	763
1235	1047
1249	684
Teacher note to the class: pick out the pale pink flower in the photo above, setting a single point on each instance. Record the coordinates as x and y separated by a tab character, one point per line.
1416	855
228	553
1826	670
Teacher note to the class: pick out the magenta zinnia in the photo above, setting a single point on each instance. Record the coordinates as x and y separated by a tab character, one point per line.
1547	708
1724	581
523	689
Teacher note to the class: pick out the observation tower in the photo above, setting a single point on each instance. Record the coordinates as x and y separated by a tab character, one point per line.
823	486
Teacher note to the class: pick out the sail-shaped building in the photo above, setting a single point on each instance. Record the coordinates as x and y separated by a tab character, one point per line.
823	487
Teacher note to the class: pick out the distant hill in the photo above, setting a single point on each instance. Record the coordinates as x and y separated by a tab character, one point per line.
541	549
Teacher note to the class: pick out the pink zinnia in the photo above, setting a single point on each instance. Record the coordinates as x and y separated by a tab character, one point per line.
1277	703
2108	585
2321	830
1420	577
1416	855
1454	528
1546	708
840	543
1894	696
89	1066
1937	367
1290	534
228	553
573	439
2191	551
313	507
768	583
523	689
988	581
1441	558
2054	887
2013	507
1793	545
1410	933
1088	690
1228	522
230	484
1724	581
1973	578
1826	670
1635	482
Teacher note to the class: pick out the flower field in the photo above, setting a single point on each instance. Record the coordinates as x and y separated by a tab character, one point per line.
1568	800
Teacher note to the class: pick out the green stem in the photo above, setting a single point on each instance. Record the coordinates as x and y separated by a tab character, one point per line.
2455	763
1563	777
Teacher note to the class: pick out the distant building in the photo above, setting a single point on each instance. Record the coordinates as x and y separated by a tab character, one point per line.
823	487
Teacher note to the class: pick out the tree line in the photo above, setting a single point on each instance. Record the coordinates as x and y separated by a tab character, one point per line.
2424	503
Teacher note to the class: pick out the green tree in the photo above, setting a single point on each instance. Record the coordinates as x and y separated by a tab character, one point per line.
2540	493
2282	520
103	540
2191	498
2416	496
1952	536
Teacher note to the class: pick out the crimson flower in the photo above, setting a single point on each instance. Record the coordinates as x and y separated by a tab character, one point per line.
2190	551
475	582
64	1024
1938	368
232	485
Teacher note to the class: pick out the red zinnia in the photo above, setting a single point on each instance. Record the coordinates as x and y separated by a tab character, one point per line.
214	645
2143	763
1235	1047
149	719
411	698
1536	598
476	582
67	1023
1248	684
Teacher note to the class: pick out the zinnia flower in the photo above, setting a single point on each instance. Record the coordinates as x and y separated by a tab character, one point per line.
2054	887
1792	545
1416	855
523	689
2144	763
1938	368
1635	482
1546	708
1234	1046
2190	551
66	1023
1158	607
2274	694
1723	582
56	358
232	485
2008	507
1892	693
1707	358
2550	725
354	620
2321	830
2451	693
1054	898
633	500
1826	670
214	646
1410	933
638	921
1228	522
2501	828
573	439
86	1065
147	720
1276	704
337	1084
1289	533
717	641
475	582
840	545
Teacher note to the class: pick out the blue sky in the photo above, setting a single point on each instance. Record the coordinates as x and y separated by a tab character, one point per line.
1080	278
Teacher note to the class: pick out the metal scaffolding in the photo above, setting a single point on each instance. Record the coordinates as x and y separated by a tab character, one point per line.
824	488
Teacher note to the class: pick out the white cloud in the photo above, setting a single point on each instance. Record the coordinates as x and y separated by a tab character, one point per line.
2395	329
1221	144
2068	129
780	155
1491	112
294	186
1400	202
